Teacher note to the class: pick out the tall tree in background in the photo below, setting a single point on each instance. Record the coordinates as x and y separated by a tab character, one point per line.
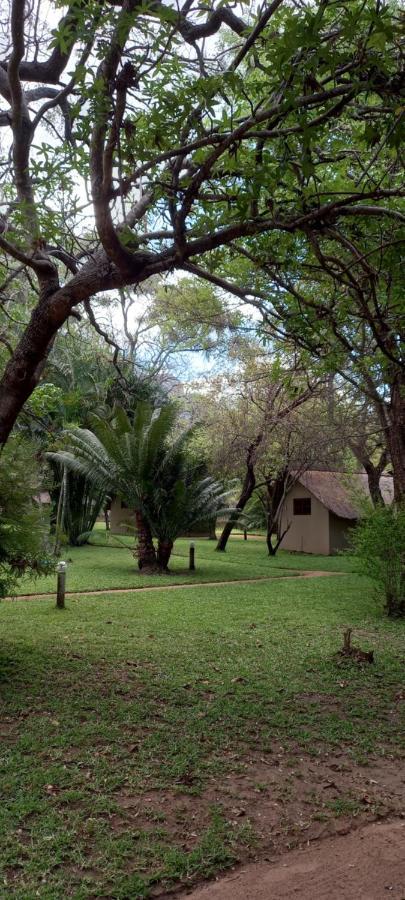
305	438
336	295
244	411
184	147
345	305
166	320
360	427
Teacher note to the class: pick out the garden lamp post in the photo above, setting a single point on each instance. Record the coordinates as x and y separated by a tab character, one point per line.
61	585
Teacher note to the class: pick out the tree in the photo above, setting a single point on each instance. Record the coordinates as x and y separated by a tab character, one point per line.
268	395
357	328
183	149
180	499
336	296
305	438
122	457
145	462
356	418
166	320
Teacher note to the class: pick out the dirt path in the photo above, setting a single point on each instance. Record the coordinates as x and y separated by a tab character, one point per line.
177	587
367	864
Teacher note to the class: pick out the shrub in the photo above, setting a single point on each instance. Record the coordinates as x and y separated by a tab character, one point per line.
79	502
379	542
23	523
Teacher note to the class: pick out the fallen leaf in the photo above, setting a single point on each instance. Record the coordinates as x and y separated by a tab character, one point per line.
52	789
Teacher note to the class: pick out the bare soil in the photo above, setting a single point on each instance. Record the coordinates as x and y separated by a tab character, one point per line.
368	864
300	808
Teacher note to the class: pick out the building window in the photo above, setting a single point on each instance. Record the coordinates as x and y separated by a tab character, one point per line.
302	506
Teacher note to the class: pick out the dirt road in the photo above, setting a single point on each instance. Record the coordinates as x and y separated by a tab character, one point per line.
367	864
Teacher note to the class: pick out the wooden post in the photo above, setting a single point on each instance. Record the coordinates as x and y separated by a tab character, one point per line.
191	563
244	534
61	585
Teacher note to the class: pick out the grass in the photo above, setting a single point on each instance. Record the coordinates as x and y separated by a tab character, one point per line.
102	565
133	725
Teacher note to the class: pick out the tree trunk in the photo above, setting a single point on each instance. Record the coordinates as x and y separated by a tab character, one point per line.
163	554
396	437
272	550
395	606
374	471
275	496
212	535
247	491
373	479
23	370
392	418
146	552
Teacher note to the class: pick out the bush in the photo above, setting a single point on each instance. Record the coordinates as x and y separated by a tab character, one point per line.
379	542
77	506
23	522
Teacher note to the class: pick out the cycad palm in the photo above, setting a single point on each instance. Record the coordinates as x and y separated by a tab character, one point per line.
121	457
147	467
180	499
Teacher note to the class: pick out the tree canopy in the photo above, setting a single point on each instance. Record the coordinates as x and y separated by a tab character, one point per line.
143	138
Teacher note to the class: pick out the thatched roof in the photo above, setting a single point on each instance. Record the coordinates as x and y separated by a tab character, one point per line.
341	493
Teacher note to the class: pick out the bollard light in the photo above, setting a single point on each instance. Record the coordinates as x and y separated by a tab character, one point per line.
191	563
61	584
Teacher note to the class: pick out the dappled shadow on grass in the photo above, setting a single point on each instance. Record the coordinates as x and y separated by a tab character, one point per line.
181	716
10	665
145	743
122	776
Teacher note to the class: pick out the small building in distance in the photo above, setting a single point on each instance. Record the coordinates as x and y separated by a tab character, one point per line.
321	507
43	498
122	519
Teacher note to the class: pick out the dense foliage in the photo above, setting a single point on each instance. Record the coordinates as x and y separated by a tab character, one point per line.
146	463
379	542
23	524
80	501
139	147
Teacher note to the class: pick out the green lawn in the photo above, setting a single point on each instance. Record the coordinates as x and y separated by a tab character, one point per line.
151	739
104	565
